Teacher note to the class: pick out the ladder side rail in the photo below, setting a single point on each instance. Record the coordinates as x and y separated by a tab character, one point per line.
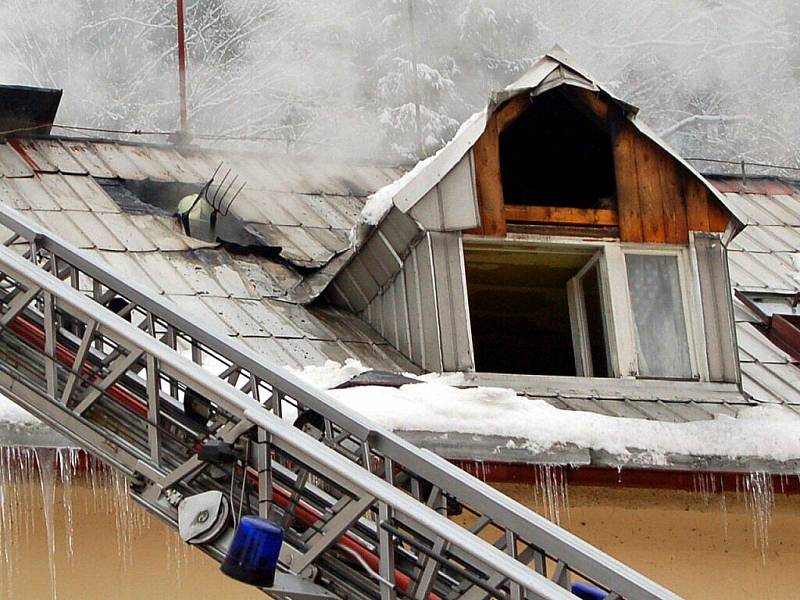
527	525
317	455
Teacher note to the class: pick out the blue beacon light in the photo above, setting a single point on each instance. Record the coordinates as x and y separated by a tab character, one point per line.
586	591
253	555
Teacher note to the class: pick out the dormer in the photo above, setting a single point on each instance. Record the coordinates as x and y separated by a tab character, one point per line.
554	236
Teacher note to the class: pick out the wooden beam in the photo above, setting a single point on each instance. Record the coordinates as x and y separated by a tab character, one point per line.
561	215
486	153
650	162
696	205
627	178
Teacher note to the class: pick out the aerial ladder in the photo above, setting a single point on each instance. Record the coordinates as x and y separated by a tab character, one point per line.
202	428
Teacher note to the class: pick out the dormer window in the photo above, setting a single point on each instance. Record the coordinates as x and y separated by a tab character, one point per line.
555	236
586	308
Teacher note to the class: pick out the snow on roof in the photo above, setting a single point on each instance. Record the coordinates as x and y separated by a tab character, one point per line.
440	404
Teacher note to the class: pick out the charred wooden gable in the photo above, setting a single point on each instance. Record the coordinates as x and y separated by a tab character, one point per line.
586	170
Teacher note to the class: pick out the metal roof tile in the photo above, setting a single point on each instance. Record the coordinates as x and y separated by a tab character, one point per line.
266	279
158	230
31	154
772	382
96	230
130	266
233	313
146	159
84	153
258	206
33	193
127	231
10	196
162	271
12	164
304	321
92	194
335	321
64	195
272	349
197	308
302	209
334	350
117	159
659	411
178	166
756	345
790	206
778	210
267	314
205	162
333	213
66	226
743	207
760	271
762	239
60	157
303	351
230	280
195	275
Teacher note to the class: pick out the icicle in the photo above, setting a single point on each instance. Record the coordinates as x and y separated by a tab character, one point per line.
760	499
46	460
723	507
67	461
551	483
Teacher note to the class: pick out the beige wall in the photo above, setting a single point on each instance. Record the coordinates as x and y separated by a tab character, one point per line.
158	566
675	537
684	543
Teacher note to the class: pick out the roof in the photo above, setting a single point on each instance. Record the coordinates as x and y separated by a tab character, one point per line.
764	257
302	211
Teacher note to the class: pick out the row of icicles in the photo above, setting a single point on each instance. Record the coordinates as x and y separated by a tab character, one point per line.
29	475
756	490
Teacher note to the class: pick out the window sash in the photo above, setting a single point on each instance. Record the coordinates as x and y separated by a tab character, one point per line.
689	308
579	318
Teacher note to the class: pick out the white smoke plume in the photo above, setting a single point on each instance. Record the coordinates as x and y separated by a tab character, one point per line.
718	78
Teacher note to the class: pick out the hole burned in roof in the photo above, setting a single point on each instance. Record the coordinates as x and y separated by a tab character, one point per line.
184	203
189	209
149	197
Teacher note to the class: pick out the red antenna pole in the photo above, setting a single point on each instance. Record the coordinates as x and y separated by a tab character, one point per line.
182	65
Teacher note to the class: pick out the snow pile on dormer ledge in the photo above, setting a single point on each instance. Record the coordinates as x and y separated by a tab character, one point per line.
437	404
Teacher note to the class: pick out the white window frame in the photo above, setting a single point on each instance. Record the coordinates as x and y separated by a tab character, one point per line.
692	308
584	366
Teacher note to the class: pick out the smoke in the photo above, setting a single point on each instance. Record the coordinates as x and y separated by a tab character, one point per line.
718	79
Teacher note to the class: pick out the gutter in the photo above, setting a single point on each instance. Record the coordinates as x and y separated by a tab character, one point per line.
498	459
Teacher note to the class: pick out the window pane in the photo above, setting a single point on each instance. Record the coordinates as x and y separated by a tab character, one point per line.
592	300
658	316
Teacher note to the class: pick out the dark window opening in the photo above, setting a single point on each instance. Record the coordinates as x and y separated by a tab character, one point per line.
536	312
554	154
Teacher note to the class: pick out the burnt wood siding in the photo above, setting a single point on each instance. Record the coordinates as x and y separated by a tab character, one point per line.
659	201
